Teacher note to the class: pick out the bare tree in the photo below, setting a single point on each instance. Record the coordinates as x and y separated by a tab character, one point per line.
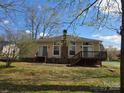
122	49
28	46
8	12
112	53
9	8
121	33
41	19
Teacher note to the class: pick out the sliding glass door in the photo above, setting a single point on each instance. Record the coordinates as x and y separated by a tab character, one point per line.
87	51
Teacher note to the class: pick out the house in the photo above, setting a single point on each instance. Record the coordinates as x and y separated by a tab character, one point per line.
72	50
2	44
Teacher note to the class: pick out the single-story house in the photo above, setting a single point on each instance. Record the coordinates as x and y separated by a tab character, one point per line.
71	49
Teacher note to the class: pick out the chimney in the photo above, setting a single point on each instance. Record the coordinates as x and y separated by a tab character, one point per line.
64	34
64	48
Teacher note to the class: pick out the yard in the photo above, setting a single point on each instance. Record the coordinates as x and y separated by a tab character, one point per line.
56	78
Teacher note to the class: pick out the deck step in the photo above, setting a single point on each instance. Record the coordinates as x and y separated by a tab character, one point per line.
73	64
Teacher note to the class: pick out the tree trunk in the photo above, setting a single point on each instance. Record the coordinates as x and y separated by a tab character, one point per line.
122	50
8	63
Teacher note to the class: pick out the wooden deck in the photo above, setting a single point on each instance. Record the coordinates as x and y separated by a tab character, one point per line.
83	58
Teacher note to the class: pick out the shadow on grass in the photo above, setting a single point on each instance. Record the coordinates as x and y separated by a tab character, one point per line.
4	67
11	87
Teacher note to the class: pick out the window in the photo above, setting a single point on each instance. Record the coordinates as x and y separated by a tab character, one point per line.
56	50
72	48
72	43
88	51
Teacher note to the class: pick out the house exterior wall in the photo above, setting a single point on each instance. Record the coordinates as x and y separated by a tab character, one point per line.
96	46
50	50
49	47
78	48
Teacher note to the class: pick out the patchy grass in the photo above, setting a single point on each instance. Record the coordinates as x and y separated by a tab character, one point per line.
56	78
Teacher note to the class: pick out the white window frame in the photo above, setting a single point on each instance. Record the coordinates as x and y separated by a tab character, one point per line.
41	46
69	49
59	51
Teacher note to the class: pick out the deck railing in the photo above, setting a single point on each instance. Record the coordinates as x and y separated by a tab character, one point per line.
95	54
78	55
91	54
76	58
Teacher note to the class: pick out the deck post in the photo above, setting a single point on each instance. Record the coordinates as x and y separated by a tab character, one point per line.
45	59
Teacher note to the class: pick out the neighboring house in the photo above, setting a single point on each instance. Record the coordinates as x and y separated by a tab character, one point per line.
2	44
71	49
8	49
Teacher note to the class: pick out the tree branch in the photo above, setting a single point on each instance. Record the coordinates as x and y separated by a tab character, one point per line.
86	9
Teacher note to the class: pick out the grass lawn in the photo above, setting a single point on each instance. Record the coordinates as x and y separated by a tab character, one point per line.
56	78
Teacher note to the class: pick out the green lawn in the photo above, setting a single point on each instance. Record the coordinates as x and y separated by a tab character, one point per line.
56	78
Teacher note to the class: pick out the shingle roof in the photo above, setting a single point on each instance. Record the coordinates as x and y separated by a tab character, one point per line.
69	37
